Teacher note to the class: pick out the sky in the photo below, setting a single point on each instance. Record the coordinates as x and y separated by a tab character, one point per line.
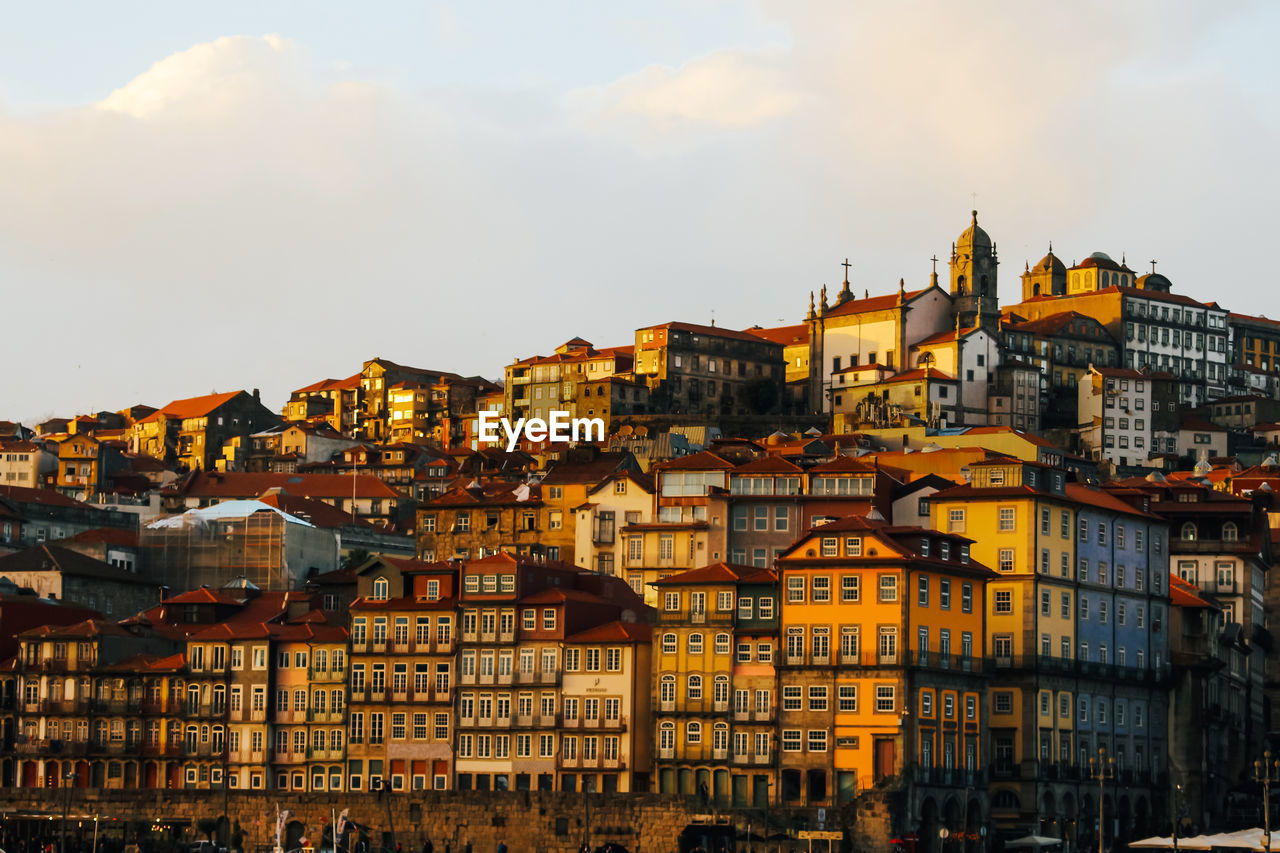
205	197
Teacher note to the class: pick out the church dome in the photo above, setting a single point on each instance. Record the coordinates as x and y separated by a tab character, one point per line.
974	236
1050	263
1154	281
1101	260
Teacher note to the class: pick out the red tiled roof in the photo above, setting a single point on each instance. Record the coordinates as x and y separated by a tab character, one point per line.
1199	425
87	628
109	536
1184	593
720	573
785	335
45	497
710	331
217	484
318	513
703	460
192	407
613	632
873	303
767	465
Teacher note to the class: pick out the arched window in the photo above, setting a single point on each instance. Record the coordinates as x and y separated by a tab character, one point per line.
667	689
721	688
720	737
982	286
667	737
693	732
1189	532
695	644
693	688
380	589
1230	533
960	285
668	644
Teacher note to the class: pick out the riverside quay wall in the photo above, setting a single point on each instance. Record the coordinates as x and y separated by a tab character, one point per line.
538	822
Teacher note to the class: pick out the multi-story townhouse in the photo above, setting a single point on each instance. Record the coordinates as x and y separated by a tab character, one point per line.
395	464
309	709
404	635
688	530
482	519
1127	416
1063	346
694	369
754	779
537	386
360	495
1221	544
1059	690
1211	744
622	499
564	488
694	663
514	731
377	377
1154	327
192	432
605	740
85	694
332	401
771	501
25	463
1255	354
907	710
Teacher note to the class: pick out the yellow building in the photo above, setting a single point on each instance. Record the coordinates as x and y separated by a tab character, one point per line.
881	671
714	681
621	500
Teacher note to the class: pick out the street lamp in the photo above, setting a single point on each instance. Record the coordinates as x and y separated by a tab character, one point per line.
1177	814
1266	771
66	805
1102	769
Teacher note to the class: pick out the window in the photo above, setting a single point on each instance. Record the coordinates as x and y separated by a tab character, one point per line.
848	698
888	588
922	597
966	598
955	521
795	589
1006	559
944	594
886	699
1003	601
850	588
821	590
1007	518
791	741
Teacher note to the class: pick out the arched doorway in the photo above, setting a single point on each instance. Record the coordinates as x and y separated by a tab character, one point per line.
929	825
98	775
973	825
951	818
1141	818
53	775
1048	815
293	832
1069	819
82	774
150	775
30	774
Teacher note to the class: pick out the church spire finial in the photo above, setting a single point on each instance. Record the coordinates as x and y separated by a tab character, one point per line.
975	217
812	312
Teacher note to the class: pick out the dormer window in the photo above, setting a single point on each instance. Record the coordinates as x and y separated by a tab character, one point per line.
1189	532
944	551
380	589
1230	533
924	547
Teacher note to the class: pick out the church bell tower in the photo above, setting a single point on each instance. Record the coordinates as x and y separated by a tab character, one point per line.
973	278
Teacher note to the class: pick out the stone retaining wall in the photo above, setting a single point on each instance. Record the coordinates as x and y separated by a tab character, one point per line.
538	822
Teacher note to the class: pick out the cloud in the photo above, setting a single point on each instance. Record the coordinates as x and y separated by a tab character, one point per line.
241	215
726	90
208	80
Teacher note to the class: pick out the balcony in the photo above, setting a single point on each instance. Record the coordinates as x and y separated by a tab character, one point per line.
64	706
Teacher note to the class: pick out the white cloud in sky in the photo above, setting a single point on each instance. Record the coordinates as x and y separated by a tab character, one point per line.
241	214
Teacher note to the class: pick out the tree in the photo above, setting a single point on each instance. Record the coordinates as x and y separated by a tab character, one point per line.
356	557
